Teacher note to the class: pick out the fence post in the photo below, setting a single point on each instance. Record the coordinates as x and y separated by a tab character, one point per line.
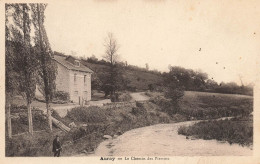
9	126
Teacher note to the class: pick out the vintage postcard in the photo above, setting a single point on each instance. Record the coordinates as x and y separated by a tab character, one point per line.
145	81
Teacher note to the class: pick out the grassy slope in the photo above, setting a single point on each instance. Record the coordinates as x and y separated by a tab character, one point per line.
202	105
236	130
100	122
137	79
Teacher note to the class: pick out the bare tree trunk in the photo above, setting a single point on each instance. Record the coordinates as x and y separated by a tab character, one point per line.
30	122
46	85
9	125
49	115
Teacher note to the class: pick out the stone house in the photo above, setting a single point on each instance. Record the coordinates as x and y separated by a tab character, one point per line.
73	78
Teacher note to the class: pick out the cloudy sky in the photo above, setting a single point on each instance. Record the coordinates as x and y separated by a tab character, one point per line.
220	38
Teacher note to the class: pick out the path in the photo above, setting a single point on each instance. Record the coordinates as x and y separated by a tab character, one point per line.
163	140
139	96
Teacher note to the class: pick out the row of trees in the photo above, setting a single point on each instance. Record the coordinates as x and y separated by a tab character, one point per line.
125	65
199	81
28	58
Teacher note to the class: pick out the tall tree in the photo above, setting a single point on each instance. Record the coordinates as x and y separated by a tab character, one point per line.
114	80
112	47
10	79
48	69
24	57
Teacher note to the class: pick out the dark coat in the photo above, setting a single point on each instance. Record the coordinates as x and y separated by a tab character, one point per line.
56	145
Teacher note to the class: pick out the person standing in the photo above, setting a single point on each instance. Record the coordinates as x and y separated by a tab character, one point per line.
56	149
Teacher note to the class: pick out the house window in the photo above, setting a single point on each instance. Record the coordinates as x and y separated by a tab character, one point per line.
85	79
77	63
75	78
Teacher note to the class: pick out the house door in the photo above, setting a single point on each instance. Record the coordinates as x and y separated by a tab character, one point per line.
86	95
75	97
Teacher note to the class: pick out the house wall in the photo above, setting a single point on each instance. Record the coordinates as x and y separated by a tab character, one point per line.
62	80
79	89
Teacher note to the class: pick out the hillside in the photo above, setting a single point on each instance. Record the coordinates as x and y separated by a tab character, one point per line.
137	79
140	79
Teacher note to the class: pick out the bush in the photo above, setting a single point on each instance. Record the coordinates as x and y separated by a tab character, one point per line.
166	105
18	108
90	114
138	111
121	97
20	124
114	97
232	131
27	145
124	97
61	95
164	118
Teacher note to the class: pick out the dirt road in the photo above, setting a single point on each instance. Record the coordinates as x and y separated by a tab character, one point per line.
139	96
163	140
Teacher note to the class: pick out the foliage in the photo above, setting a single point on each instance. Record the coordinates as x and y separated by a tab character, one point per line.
198	81
48	68
174	83
166	105
114	79
90	114
22	60
232	131
121	97
61	95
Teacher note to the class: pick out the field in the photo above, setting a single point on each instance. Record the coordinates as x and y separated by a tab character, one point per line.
202	105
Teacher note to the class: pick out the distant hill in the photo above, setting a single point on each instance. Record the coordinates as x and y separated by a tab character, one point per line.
138	79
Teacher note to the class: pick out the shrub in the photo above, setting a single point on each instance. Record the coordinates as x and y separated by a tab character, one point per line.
61	95
114	97
232	131
18	108
166	105
124	97
20	124
90	114
138	111
164	118
179	117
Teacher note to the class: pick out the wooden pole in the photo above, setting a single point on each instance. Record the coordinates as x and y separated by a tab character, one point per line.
30	122
9	126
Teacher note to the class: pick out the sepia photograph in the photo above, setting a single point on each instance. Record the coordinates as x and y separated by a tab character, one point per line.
141	80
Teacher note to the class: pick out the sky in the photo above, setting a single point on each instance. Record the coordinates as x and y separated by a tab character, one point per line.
220	38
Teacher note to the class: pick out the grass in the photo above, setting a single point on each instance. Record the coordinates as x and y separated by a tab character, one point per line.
237	130
138	80
203	106
112	121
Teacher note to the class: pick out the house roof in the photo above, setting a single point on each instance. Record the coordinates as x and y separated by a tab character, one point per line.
62	60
